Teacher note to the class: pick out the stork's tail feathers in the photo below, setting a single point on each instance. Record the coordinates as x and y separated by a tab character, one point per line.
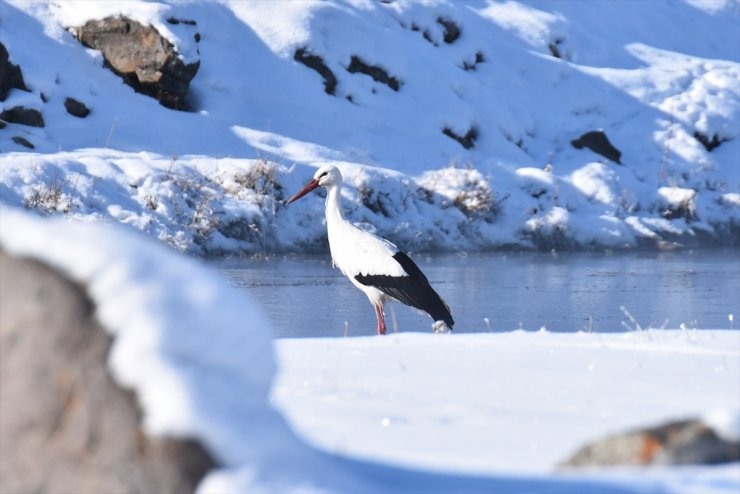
413	290
429	301
440	312
440	327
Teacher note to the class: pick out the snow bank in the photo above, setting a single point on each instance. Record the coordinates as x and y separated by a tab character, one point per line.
215	206
182	337
197	354
518	402
472	150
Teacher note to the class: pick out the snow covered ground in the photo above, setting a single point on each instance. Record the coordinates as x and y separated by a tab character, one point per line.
470	148
403	413
521	80
515	402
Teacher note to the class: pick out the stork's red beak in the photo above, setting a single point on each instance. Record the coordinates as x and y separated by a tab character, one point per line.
305	190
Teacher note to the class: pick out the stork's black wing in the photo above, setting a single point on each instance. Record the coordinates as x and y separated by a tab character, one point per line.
413	290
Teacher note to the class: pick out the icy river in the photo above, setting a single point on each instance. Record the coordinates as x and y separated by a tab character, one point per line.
305	296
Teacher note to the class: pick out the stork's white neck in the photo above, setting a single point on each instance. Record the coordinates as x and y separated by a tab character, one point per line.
334	213
334	221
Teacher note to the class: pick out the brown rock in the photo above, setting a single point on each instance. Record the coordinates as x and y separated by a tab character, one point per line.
23	116
65	425
684	442
10	75
76	108
142	57
23	142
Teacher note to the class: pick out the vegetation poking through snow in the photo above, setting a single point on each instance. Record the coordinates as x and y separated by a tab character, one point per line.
709	143
51	197
556	50
193	200
378	73
465	189
471	66
374	200
315	62
467	141
262	178
451	30
214	206
678	202
260	185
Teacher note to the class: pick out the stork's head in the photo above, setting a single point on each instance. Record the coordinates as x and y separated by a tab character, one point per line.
326	176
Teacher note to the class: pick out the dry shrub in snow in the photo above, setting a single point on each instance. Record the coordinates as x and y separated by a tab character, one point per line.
677	202
204	220
261	177
549	229
50	197
464	188
377	201
257	186
179	194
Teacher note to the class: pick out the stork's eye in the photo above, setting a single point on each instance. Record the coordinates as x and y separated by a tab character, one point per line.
323	174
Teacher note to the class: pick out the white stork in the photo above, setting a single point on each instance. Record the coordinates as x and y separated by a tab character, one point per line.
373	264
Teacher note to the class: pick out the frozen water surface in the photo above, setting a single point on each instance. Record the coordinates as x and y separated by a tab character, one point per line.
305	296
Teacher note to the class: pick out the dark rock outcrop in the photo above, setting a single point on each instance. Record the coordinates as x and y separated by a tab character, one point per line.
65	425
11	76
23	142
685	442
76	108
142	57
597	142
315	62
467	141
451	30
471	66
379	74
23	116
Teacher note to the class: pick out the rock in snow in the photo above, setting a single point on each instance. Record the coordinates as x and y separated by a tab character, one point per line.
685	442
23	116
23	142
142	57
597	142
65	424
10	74
76	108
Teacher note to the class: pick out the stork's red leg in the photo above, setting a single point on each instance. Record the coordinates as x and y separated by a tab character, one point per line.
381	319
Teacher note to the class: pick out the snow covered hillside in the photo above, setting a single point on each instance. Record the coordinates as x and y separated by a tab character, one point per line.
404	413
459	124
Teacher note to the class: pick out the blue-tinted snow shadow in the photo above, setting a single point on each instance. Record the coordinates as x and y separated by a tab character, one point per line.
290	462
